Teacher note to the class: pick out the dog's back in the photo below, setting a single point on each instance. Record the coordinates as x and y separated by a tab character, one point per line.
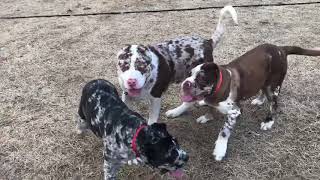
265	66
102	109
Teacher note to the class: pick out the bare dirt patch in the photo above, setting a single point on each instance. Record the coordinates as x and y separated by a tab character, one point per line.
50	59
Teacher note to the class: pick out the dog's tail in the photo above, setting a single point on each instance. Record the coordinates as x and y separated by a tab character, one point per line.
301	51
216	36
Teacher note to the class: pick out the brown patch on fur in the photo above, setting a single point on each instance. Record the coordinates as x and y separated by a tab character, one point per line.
189	50
262	67
165	74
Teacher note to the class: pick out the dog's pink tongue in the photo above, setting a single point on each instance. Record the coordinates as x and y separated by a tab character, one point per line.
186	98
177	174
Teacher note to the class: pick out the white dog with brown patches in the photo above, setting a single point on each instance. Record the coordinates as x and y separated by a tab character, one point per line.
224	86
146	71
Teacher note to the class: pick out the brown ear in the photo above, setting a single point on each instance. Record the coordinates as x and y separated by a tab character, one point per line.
142	49
209	66
123	53
126	47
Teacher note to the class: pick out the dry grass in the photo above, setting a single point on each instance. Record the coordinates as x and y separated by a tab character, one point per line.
49	60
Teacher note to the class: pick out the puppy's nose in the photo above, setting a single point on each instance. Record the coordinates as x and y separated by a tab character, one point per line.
132	82
187	85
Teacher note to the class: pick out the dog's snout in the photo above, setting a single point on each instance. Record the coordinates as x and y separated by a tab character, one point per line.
132	82
184	157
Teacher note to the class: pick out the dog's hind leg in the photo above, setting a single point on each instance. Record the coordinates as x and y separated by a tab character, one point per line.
272	96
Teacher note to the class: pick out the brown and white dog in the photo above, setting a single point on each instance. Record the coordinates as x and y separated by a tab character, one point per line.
260	69
147	71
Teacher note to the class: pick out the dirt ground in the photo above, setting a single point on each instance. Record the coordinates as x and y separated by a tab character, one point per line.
44	63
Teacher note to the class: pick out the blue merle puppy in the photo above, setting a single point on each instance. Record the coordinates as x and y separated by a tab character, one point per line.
126	135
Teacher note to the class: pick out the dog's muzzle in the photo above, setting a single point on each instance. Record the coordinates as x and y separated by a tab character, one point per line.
182	159
187	88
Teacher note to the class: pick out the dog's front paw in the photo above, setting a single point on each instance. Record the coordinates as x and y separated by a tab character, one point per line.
134	161
173	113
220	149
202	103
202	119
79	131
257	102
266	125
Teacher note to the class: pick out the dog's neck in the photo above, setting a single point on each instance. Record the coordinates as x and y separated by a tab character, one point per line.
134	145
221	86
164	72
163	49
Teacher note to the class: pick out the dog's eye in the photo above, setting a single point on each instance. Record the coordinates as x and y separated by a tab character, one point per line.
124	66
142	68
154	140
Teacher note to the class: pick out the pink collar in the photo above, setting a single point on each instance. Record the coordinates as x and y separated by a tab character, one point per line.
219	83
134	140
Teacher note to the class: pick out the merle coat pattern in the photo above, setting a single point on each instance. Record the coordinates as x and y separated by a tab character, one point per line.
147	71
103	112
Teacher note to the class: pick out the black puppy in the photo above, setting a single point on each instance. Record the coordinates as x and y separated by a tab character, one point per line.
125	134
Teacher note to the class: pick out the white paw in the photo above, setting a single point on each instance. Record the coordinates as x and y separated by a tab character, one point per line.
220	150
173	113
79	131
201	103
257	102
266	125
202	119
134	161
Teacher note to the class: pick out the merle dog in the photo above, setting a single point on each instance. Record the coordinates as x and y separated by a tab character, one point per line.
224	86
125	134
147	71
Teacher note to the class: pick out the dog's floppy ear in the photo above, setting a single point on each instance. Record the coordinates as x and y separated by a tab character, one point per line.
142	48
160	130
209	66
123	53
159	126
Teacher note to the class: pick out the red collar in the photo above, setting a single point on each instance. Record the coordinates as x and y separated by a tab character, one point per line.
134	140
219	83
